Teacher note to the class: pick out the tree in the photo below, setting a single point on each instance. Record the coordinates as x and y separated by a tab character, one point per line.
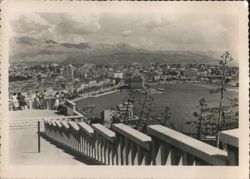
167	115
202	108
225	59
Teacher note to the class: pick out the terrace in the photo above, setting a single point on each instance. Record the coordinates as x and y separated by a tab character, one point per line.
71	140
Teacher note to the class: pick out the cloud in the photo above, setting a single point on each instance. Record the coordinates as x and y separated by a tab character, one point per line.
153	31
126	33
72	26
61	27
158	20
29	24
73	23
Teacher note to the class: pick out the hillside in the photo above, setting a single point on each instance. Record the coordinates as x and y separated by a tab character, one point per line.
28	49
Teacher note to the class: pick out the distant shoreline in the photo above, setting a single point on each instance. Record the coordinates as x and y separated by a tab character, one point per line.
94	96
211	86
206	85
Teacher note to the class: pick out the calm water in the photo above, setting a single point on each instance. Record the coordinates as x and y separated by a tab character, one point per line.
181	98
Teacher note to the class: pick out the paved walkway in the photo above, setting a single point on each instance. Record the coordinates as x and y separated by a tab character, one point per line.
24	150
32	113
23	143
28	118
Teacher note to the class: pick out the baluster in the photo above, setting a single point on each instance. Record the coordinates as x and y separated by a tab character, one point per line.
147	157
105	150
114	153
156	158
127	150
140	154
133	153
87	146
122	149
74	139
97	146
109	151
90	147
175	156
101	147
78	140
84	143
71	138
184	158
165	155
65	137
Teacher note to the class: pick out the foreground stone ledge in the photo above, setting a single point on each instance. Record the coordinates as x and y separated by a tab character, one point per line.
65	124
230	137
201	150
58	124
133	134
74	126
105	132
86	128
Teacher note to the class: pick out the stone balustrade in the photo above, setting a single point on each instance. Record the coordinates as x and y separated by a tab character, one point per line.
134	147
123	145
174	148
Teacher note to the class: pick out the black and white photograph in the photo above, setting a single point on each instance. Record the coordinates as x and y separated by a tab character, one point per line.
158	86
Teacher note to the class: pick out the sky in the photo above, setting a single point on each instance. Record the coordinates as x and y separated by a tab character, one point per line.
154	31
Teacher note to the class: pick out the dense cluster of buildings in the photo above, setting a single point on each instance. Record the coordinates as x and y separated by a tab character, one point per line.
82	78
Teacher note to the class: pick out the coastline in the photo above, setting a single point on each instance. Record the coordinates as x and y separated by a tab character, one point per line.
94	96
211	86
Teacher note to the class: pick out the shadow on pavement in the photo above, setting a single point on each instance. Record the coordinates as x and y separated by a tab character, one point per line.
77	155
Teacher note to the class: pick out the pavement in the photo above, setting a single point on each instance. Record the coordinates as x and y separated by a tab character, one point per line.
23	141
23	150
37	113
29	118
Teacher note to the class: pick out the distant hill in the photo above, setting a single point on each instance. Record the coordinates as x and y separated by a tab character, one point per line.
28	49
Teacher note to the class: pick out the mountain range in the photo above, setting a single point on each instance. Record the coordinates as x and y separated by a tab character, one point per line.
29	49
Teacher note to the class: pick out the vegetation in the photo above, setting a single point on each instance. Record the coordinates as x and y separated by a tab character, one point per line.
212	120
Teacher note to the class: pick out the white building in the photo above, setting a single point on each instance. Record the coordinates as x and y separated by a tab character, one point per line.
118	75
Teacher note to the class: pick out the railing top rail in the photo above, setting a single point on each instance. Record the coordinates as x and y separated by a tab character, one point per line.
53	123
105	132
65	124
86	128
132	134
230	137
58	124
195	147
74	125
